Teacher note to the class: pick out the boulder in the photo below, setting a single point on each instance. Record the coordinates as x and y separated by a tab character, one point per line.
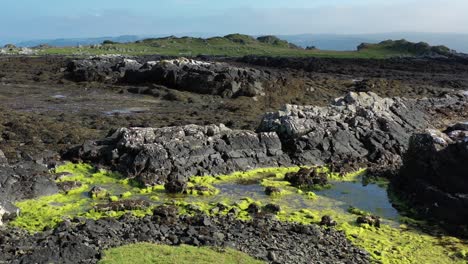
98	69
176	184
434	175
215	78
327	221
306	177
369	219
200	77
20	181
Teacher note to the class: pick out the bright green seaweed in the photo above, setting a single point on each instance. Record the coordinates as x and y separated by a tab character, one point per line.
394	242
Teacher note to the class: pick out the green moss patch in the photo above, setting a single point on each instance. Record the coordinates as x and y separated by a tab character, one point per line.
242	194
151	253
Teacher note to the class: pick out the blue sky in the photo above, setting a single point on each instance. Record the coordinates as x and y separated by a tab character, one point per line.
32	19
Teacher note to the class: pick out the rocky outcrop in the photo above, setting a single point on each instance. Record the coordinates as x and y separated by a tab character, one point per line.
358	130
201	77
99	69
360	127
196	76
435	173
153	154
22	181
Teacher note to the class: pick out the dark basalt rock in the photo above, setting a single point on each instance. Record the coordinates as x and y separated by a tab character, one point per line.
369	219
272	208
82	241
215	78
67	186
270	190
435	174
307	178
97	69
327	221
152	155
201	77
358	130
176	184
21	181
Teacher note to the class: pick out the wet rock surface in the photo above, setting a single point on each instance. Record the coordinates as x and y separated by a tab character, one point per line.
24	180
306	178
435	173
82	241
369	219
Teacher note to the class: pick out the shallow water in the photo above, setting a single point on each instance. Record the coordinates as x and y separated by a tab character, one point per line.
393	242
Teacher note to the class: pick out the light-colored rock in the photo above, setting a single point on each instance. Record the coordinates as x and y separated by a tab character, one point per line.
2	212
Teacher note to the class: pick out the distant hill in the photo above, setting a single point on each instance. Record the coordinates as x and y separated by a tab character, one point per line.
236	45
457	42
336	42
71	42
405	47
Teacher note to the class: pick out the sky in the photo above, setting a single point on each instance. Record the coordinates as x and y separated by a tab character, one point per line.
34	19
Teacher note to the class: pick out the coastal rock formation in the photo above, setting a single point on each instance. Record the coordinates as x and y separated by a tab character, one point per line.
153	154
22	181
201	77
359	127
96	69
215	78
435	173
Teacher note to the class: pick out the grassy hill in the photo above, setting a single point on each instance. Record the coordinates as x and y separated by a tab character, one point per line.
240	45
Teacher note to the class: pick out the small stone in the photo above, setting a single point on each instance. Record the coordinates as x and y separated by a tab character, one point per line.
253	208
98	192
270	190
369	219
327	221
176	184
272	208
272	256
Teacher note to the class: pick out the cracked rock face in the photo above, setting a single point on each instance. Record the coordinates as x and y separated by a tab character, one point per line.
435	173
360	128
214	78
153	154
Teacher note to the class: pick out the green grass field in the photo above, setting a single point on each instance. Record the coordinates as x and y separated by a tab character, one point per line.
146	253
232	45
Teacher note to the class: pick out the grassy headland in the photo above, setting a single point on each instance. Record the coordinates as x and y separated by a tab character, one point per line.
235	45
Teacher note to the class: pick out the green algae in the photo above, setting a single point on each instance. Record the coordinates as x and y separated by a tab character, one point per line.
258	174
49	211
396	241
